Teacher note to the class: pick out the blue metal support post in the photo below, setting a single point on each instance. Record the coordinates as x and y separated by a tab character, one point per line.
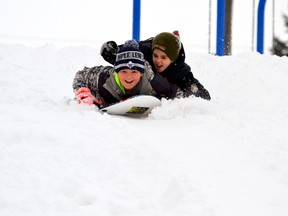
221	4
136	19
260	26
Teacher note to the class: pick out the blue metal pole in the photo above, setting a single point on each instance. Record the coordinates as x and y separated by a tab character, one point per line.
260	26
221	4
136	19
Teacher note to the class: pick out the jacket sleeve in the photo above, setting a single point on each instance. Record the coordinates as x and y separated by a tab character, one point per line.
164	88
191	86
89	77
81	79
161	86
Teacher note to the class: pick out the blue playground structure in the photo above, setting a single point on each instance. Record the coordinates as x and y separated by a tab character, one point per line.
220	37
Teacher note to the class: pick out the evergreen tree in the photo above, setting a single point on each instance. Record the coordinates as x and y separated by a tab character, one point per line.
279	47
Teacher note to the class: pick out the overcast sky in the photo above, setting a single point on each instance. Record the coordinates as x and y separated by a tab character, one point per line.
88	21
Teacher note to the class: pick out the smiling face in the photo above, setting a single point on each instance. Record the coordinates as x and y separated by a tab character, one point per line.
161	60
129	78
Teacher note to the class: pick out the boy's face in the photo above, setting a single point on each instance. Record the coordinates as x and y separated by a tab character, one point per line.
129	78
161	60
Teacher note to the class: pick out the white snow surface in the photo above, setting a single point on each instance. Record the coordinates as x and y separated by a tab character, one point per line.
224	157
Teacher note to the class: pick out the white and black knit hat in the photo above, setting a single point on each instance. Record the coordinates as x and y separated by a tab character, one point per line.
130	57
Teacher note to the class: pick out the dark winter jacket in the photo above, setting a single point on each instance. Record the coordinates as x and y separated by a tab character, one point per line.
100	80
178	72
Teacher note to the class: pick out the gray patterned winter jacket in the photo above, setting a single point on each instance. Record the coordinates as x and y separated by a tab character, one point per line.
100	80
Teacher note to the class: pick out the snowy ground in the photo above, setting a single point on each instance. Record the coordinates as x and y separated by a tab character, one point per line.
226	157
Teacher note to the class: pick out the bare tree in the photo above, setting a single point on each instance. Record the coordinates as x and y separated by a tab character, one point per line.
280	48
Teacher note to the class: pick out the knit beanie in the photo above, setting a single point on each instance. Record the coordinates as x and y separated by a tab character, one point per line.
168	43
130	57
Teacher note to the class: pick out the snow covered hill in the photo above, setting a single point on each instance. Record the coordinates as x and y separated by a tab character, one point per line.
227	156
